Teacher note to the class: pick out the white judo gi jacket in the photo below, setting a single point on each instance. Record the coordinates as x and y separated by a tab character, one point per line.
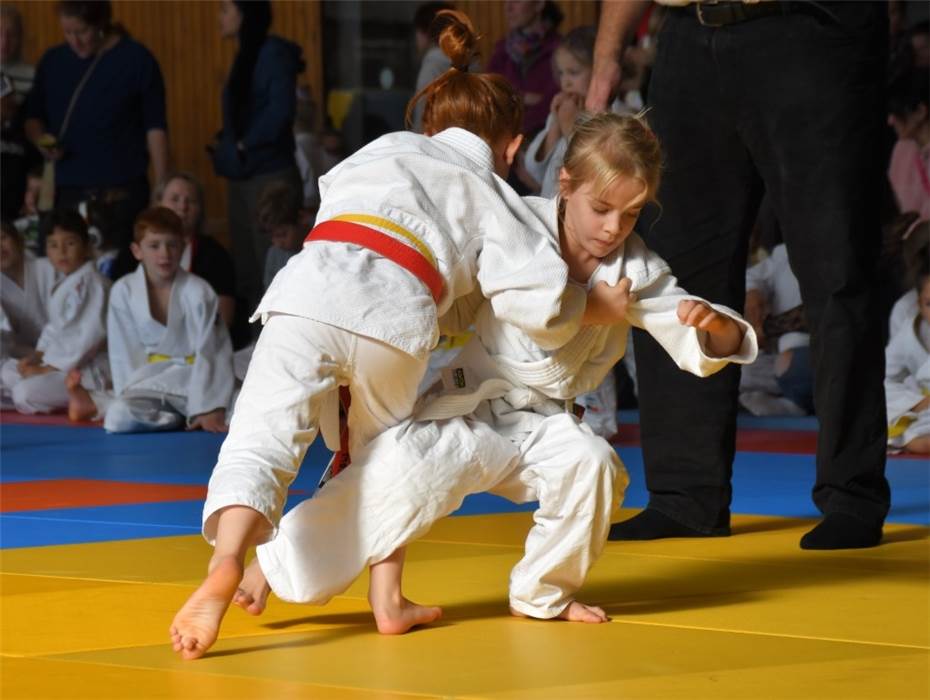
443	190
187	361
25	308
499	424
503	362
438	195
907	381
74	337
76	329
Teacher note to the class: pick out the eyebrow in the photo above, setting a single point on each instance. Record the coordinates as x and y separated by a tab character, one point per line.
602	202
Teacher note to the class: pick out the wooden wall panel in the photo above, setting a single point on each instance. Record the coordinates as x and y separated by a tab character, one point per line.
195	61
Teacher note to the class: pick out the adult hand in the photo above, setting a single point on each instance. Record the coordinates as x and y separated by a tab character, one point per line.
605	78
617	21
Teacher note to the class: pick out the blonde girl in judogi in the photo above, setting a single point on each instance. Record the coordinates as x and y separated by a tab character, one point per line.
170	353
74	337
907	372
503	421
406	226
25	286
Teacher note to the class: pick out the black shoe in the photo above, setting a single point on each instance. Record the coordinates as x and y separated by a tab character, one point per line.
652	525
842	531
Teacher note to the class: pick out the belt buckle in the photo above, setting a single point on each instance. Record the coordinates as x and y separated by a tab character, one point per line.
698	10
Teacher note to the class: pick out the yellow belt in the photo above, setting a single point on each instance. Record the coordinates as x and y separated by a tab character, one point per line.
900	426
155	357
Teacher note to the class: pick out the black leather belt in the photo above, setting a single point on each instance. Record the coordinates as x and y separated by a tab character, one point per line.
712	13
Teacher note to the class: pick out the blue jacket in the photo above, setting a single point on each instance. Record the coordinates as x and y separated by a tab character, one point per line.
269	138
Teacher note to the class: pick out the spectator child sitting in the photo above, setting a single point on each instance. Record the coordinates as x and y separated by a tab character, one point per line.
202	254
24	288
915	246
909	169
907	373
170	354
74	336
278	216
780	381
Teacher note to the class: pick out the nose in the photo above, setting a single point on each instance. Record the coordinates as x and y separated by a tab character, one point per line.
613	223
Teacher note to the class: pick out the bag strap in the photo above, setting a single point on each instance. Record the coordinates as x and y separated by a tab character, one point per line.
78	90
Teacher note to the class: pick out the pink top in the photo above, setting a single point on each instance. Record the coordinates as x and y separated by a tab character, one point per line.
908	174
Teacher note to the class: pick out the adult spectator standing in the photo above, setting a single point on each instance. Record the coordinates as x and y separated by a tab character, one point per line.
14	67
97	111
18	157
785	97
256	144
524	57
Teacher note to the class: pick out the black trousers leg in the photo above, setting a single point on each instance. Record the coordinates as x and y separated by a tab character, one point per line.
815	129
709	197
792	101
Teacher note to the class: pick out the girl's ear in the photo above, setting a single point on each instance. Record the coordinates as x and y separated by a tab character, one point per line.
565	183
136	251
510	151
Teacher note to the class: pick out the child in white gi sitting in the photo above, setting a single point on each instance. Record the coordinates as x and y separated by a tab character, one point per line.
74	337
170	353
502	423
907	371
25	284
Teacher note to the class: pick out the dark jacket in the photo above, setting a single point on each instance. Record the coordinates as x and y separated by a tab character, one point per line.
269	137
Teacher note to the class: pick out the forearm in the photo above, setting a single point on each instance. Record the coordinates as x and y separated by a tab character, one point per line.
227	306
618	17
157	142
553	134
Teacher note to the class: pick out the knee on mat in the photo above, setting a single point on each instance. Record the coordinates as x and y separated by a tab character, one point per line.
23	396
119	418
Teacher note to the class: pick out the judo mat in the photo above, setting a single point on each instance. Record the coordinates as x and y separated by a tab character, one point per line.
100	547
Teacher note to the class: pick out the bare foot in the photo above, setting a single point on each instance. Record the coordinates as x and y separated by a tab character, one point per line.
919	445
576	612
399	618
195	627
252	594
579	612
81	406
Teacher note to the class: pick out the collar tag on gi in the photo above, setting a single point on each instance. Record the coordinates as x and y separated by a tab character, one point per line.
458	380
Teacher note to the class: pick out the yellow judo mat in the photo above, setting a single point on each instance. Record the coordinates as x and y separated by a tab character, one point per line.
750	616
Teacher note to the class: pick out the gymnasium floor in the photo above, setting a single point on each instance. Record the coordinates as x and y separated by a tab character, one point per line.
100	546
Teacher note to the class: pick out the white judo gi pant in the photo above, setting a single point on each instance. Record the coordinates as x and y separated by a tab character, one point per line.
141	413
47	393
294	374
406	479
